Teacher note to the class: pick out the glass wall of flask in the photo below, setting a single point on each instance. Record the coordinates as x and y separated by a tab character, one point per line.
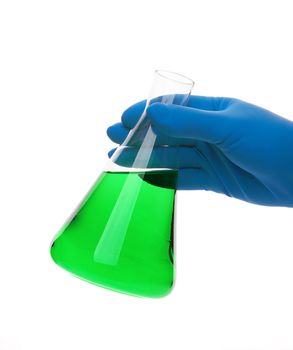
121	237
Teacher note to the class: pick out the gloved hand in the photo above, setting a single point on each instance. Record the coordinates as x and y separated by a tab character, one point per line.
223	145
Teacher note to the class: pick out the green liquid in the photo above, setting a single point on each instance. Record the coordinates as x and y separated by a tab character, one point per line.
121	237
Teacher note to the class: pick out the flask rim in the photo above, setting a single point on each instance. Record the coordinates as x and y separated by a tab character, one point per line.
176	77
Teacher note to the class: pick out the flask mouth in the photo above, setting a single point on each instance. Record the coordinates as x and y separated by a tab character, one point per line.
178	78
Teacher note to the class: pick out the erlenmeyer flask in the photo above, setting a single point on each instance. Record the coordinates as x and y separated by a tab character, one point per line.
121	236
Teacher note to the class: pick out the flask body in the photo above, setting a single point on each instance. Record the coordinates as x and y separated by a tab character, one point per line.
128	249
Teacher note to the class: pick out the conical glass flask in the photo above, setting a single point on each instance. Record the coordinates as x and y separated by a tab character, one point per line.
121	236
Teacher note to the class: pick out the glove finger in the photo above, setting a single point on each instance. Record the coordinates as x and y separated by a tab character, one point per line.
131	115
118	133
160	157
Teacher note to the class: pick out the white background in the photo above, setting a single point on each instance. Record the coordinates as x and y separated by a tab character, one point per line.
68	69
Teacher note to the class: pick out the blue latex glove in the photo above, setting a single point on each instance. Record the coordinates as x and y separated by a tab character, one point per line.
223	145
